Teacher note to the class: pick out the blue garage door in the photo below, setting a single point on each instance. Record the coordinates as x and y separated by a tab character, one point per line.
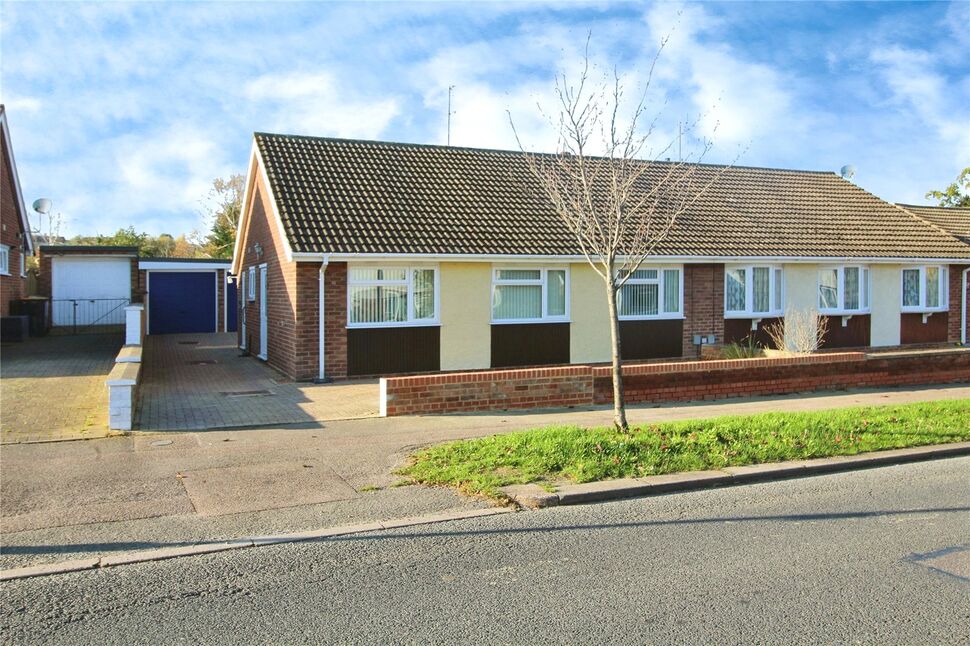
181	302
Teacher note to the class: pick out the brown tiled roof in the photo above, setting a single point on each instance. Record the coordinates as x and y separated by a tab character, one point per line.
954	220
370	197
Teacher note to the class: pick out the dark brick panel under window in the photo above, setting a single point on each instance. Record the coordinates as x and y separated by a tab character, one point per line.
913	330
651	339
739	331
530	344
855	334
393	350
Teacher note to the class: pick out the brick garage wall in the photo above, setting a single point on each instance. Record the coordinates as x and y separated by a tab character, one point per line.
14	286
703	304
955	315
666	382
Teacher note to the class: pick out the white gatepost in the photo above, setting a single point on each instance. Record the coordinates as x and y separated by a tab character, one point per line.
135	324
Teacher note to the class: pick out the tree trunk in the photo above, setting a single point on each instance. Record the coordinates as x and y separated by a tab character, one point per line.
619	406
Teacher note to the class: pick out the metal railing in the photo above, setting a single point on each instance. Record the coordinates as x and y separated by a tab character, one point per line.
81	314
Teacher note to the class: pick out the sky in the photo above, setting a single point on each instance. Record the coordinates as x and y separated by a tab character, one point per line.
124	113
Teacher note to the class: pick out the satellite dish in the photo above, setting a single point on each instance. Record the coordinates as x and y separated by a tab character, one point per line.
848	171
43	206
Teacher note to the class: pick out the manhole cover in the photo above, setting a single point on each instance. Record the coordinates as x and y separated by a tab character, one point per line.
203	362
161	442
246	393
188	343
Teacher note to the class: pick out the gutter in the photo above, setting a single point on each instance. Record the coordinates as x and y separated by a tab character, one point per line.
321	342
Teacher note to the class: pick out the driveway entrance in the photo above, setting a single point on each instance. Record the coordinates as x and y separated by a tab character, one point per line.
199	381
53	387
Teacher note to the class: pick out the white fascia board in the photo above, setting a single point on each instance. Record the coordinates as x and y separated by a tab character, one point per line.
243	212
21	206
398	257
182	266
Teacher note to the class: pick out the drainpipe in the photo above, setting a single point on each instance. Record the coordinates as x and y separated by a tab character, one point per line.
963	316
321	343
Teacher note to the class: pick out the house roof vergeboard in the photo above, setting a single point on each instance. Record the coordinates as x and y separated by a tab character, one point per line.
368	197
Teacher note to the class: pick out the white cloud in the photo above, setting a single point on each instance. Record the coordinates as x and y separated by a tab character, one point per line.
316	104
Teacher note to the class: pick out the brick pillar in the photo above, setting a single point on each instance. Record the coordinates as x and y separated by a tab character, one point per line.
335	320
955	315
44	275
703	304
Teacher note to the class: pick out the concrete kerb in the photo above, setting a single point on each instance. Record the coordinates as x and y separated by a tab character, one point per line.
533	496
161	554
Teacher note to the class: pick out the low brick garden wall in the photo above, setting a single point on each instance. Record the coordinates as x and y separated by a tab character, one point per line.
584	385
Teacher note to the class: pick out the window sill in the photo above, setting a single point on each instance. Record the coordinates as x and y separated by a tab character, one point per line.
924	310
5	273
371	326
528	321
753	315
665	317
844	312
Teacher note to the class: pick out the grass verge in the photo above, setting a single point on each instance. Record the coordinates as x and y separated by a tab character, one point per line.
558	453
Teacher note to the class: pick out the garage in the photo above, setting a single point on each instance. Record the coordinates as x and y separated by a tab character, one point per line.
185	296
90	290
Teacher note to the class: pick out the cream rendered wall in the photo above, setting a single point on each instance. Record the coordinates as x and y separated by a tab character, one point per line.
589	334
801	287
885	303
466	294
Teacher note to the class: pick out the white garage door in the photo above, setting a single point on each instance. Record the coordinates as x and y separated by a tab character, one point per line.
90	291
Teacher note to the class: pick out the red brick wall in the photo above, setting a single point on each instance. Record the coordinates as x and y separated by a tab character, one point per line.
13	286
280	285
664	382
955	316
335	320
703	304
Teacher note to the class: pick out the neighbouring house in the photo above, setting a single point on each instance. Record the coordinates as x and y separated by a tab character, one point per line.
15	240
374	258
91	285
955	221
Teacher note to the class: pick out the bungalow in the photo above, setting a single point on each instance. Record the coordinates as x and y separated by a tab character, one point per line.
15	241
373	258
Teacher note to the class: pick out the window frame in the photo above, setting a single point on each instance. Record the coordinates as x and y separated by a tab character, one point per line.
922	308
22	253
409	281
4	260
748	311
661	315
543	282
251	284
865	281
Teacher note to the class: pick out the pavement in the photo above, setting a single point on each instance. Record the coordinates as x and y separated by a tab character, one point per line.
875	556
52	387
62	501
194	382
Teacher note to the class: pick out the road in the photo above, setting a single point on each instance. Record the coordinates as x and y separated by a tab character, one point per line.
849	558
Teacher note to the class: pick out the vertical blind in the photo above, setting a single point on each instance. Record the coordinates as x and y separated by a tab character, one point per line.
650	292
391	295
521	294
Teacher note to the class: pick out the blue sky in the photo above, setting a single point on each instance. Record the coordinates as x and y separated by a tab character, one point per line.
123	113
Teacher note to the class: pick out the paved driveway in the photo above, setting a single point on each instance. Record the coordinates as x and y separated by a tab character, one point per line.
52	388
196	382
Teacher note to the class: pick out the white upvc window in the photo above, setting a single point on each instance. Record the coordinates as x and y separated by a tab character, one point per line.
652	293
753	291
251	285
924	289
392	295
23	262
4	260
530	294
843	289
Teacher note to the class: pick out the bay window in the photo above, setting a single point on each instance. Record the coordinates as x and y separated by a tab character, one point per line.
924	288
530	294
391	296
753	291
843	289
651	292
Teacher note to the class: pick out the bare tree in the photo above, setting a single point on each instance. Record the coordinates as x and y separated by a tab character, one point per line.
801	331
618	206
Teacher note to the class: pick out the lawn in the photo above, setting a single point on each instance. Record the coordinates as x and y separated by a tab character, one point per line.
569	453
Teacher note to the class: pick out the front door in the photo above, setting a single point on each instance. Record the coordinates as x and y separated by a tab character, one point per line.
262	313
